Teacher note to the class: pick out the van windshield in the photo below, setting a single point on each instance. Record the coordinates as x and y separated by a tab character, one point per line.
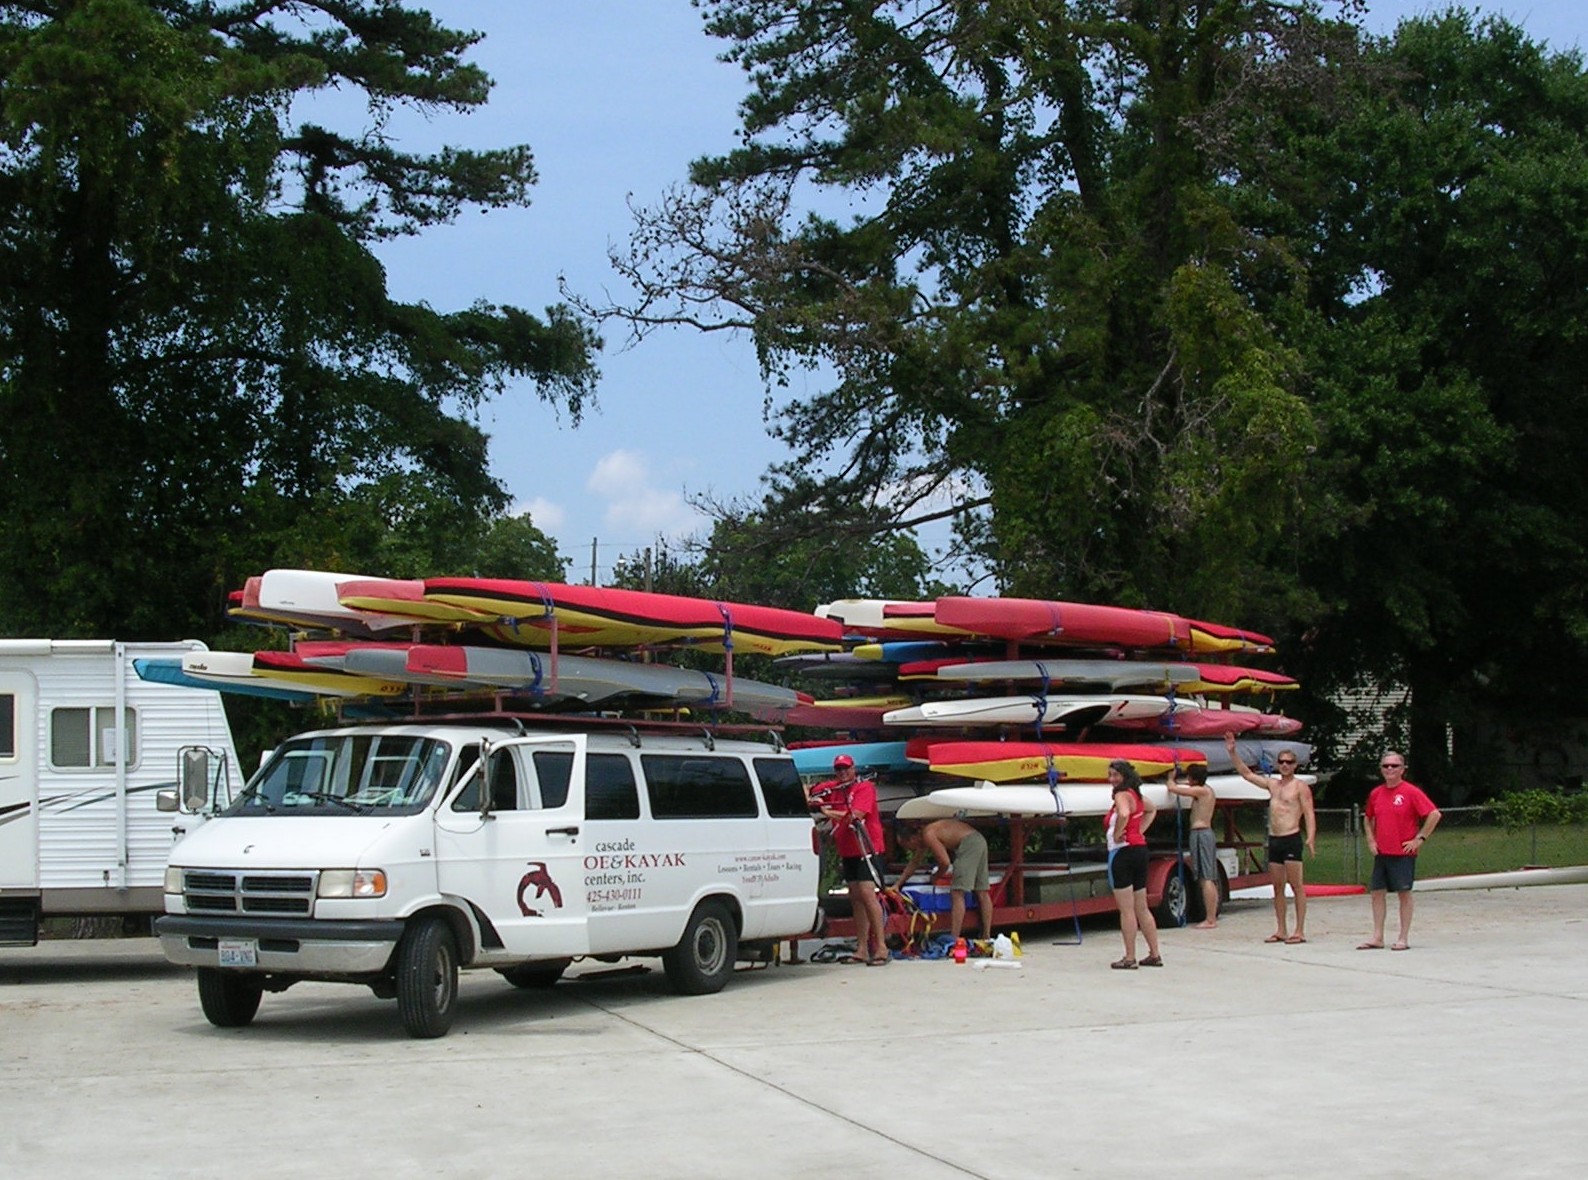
346	774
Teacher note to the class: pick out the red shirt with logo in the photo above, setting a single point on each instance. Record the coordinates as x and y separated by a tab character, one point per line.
1397	813
860	799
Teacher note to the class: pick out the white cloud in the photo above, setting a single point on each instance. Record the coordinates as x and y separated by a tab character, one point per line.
618	475
547	517
635	504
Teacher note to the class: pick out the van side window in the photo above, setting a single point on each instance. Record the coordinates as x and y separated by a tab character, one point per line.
8	725
692	786
609	790
468	799
503	772
554	768
780	787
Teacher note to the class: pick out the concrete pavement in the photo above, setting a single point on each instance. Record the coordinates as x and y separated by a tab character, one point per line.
1461	1057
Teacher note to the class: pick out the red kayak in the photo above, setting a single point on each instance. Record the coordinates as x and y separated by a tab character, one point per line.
1085	624
1075	761
604	615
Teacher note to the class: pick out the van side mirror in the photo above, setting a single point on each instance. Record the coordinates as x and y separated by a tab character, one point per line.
165	800
195	779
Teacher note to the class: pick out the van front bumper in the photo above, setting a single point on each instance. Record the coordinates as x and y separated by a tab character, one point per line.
296	946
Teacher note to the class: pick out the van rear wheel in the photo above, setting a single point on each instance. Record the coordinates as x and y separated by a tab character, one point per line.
229	998
704	957
427	978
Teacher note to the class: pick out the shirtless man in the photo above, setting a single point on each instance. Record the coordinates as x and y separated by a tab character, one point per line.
958	848
1204	848
1289	808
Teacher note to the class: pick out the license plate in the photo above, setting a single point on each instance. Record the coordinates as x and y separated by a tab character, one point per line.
239	952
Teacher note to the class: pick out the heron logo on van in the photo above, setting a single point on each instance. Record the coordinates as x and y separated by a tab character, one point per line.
540	878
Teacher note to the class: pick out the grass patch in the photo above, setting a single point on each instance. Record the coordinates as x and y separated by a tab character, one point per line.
1455	850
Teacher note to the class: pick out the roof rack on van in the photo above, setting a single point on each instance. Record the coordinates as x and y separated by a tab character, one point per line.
525	723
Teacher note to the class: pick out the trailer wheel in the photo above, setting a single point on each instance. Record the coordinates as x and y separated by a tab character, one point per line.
1175	903
229	998
704	957
427	978
534	975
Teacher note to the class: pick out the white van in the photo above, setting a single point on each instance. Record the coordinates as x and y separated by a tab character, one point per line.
391	854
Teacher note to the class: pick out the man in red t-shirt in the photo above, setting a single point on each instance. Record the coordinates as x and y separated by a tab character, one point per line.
851	804
1399	819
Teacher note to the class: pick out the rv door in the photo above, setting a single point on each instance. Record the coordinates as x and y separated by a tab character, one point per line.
19	780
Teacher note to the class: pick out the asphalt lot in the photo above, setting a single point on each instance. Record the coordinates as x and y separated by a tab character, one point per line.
1461	1057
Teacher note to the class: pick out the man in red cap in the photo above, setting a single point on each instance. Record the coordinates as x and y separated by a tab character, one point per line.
851	804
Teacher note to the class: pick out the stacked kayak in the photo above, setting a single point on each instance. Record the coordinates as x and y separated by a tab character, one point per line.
513	644
1028	696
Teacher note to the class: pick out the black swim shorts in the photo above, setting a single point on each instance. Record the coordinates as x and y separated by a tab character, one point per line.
1283	848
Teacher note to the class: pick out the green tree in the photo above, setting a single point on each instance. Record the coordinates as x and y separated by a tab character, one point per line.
755	556
201	372
1039	285
1447	216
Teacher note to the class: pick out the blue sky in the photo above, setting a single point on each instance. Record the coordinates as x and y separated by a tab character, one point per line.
615	97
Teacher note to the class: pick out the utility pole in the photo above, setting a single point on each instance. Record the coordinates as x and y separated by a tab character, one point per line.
648	569
593	581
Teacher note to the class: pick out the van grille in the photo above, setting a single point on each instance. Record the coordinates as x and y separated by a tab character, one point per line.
211	892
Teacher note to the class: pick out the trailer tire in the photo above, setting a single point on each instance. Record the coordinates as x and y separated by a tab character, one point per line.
704	957
229	998
1174	905
534	975
427	978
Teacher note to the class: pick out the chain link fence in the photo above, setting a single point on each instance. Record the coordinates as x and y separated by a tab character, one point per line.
1468	840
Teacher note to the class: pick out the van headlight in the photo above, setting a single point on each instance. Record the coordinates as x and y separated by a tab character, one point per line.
353	883
173	880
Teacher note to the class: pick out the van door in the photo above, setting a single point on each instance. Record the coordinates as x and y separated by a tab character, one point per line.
520	863
19	781
707	836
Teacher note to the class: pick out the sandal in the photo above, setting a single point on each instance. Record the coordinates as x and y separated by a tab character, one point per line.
879	962
1125	964
1275	938
1152	961
853	959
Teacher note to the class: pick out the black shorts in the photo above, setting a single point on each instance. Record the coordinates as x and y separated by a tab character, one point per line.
1393	873
1127	867
1283	848
855	868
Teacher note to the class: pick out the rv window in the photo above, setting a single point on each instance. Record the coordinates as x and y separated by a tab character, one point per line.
609	790
8	725
86	738
780	786
694	787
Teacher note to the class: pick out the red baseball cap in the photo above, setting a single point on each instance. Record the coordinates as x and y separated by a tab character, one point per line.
842	762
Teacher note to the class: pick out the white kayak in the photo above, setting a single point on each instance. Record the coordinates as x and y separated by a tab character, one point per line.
1070	799
1032	710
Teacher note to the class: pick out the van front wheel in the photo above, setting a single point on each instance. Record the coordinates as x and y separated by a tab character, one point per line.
229	998
427	978
704	957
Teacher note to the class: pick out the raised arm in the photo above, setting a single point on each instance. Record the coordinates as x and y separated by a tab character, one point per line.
1245	771
1177	788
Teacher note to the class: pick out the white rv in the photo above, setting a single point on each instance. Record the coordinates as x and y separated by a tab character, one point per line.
391	854
85	744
